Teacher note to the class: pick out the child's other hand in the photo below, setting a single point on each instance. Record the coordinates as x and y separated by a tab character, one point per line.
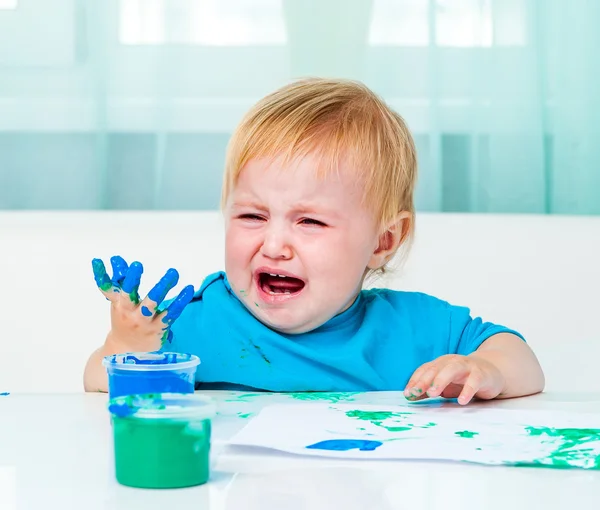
138	326
453	376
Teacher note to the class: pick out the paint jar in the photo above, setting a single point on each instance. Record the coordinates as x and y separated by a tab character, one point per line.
135	373
162	441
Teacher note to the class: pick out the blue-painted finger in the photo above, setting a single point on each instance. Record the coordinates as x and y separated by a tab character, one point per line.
179	303
131	283
100	275
159	292
119	267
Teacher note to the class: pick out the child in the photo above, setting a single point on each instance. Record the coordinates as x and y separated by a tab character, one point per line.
317	195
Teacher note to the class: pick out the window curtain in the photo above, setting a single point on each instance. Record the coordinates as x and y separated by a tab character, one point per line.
129	104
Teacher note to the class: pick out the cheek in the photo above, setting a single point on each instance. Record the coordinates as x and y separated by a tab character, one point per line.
340	259
239	244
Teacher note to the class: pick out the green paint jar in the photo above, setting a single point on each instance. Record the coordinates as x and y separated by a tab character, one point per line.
162	440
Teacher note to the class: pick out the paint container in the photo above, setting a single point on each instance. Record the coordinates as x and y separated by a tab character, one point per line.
162	441
136	373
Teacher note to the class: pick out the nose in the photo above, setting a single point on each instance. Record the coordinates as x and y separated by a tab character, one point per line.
276	243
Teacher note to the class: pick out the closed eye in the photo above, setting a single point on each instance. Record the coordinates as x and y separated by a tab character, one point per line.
313	222
251	217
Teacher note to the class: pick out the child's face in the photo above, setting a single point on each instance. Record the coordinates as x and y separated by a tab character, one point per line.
284	220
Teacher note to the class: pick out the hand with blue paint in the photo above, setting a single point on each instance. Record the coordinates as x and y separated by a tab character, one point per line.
136	325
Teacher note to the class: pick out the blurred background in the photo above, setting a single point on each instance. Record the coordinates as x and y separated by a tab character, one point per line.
129	104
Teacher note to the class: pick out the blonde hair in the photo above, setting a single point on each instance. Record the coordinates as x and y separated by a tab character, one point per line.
334	119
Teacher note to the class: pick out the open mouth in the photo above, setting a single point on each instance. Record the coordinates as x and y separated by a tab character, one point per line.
279	285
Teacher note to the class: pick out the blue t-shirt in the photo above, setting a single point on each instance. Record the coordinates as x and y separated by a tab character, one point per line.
376	344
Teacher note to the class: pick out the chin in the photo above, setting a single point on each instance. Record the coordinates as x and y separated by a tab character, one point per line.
288	327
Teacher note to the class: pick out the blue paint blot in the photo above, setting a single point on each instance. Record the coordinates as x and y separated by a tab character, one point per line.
342	445
121	410
179	303
102	280
159	292
5	394
146	311
119	268
132	280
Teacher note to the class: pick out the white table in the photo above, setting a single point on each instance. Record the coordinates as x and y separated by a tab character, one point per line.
56	452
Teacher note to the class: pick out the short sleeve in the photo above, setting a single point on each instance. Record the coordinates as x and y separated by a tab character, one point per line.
467	333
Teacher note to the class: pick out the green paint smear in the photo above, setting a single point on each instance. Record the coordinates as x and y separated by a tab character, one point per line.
134	296
258	349
245	415
373	415
467	434
106	286
378	417
570	449
163	339
415	393
398	429
323	396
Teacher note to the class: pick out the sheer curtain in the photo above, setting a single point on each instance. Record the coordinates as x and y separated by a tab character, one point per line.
129	104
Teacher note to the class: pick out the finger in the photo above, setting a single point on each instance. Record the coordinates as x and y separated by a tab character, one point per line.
131	283
119	268
452	390
471	387
423	385
102	279
414	390
415	377
157	294
454	372
179	303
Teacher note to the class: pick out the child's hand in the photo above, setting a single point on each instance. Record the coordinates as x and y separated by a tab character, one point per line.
454	376
138	326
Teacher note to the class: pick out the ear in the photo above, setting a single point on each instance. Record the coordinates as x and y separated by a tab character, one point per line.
392	237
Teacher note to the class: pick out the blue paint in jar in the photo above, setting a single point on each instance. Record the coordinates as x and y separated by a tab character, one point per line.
342	445
150	372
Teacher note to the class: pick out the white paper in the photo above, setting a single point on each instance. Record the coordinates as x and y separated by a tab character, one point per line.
487	436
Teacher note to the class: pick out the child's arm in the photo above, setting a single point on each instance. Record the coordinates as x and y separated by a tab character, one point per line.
503	366
135	326
94	376
516	362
